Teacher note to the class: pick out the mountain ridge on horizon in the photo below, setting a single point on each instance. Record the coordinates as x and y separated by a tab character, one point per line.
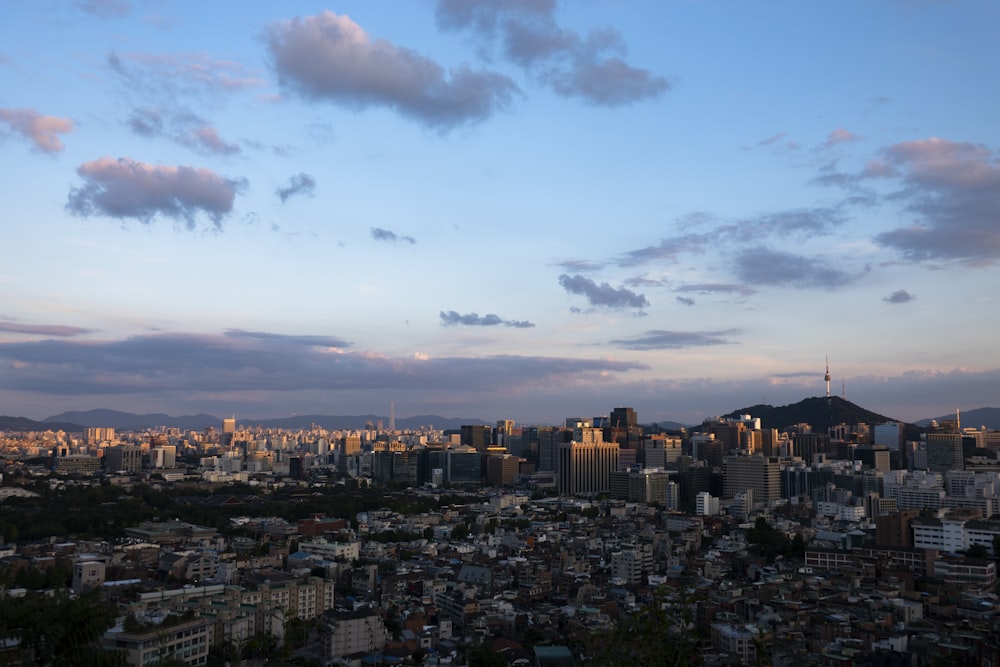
771	417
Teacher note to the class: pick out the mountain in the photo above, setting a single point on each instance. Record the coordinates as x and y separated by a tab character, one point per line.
667	426
357	422
988	417
821	413
127	421
25	424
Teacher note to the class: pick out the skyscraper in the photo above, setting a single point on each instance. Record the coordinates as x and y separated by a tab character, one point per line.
477	436
944	452
586	467
760	474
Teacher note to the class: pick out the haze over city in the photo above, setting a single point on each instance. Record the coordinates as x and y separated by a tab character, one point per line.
518	209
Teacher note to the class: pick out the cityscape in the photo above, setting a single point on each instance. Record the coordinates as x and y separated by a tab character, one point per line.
499	333
596	541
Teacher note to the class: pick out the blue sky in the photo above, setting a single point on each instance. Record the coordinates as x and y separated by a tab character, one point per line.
520	209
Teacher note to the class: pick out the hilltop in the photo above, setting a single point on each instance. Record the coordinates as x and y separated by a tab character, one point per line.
821	413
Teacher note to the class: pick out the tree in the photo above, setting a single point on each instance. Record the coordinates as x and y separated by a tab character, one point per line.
977	551
59	630
661	632
482	656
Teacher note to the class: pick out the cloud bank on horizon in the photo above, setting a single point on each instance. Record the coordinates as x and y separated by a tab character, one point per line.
615	209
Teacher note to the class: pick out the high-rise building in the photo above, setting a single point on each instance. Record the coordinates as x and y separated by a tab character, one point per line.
502	470
586	467
228	431
464	466
96	435
504	432
477	436
623	418
944	452
124	458
762	474
549	440
706	504
641	486
808	445
164	456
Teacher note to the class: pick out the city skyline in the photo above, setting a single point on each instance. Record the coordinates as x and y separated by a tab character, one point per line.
521	209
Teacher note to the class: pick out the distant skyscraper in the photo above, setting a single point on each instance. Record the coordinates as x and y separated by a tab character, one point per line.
478	436
758	473
623	418
228	431
944	452
504	431
392	416
586	468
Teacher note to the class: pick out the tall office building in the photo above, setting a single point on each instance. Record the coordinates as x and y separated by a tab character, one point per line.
808	445
125	458
944	452
624	418
163	456
586	467
504	432
95	435
228	431
549	440
477	436
761	474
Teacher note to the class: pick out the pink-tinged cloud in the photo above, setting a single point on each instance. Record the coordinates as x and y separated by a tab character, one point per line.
41	130
839	136
953	191
171	76
124	188
591	66
330	57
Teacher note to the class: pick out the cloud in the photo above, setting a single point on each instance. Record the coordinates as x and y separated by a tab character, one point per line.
170	77
603	294
763	266
299	184
41	130
773	139
124	188
580	265
668	249
797	223
452	318
610	82
390	236
899	296
589	67
43	329
659	339
687	301
239	361
182	127
329	57
839	136
288	340
953	191
716	288
105	8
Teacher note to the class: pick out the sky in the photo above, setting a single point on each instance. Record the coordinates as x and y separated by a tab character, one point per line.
498	209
